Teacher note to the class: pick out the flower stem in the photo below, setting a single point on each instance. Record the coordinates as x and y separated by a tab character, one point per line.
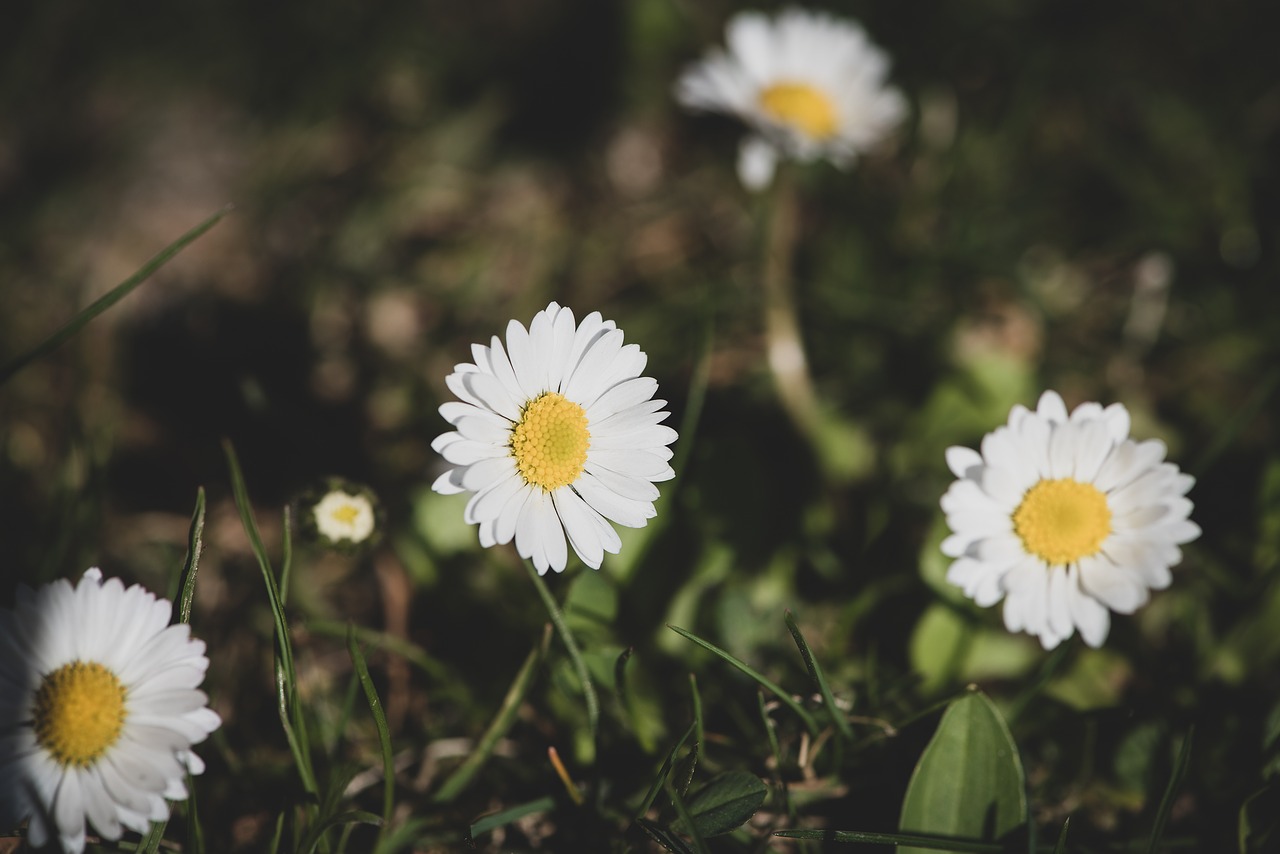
575	655
784	343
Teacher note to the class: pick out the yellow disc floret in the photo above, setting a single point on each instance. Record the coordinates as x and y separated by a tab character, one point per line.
1061	521
802	107
79	712
345	514
550	442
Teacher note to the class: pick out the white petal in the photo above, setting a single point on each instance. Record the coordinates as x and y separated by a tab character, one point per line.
963	460
757	160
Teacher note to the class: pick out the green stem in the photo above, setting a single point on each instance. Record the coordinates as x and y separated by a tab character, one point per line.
784	343
575	655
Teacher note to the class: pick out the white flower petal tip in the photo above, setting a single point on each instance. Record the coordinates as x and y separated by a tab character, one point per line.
1066	518
557	436
810	85
101	732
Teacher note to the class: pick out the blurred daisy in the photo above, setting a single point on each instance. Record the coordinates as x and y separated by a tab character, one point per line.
1064	516
98	710
555	434
344	517
809	84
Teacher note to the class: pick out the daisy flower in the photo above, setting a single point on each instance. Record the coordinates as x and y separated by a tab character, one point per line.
98	710
344	517
557	434
809	84
1064	517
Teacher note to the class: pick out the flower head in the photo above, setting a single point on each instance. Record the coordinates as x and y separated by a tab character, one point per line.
1064	517
555	434
809	84
345	515
98	710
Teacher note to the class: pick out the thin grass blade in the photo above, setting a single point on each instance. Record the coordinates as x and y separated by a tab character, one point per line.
384	732
764	681
933	843
816	674
461	776
109	299
1166	803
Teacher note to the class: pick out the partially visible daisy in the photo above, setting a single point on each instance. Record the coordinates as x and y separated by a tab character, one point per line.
555	434
810	85
345	515
99	708
1064	517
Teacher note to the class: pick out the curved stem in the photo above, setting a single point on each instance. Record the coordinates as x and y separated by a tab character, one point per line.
784	343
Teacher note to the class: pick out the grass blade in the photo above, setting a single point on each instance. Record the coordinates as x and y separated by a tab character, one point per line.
408	650
384	732
190	566
1166	803
489	822
461	776
186	591
661	779
686	819
286	676
763	680
816	674
109	299
933	843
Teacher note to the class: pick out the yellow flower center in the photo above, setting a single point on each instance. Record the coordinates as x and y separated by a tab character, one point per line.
1063	520
802	107
550	442
346	514
79	712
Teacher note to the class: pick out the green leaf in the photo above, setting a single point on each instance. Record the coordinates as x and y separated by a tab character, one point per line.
110	298
969	781
725	803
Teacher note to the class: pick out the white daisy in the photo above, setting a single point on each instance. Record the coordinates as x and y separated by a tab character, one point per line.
344	517
809	84
1064	516
98	710
555	434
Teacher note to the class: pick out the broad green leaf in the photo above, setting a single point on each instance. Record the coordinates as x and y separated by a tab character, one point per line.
725	803
969	781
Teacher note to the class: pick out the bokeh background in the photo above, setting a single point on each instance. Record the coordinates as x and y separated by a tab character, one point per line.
1085	197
